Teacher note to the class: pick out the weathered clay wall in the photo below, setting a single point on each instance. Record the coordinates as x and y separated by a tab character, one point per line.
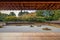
30	36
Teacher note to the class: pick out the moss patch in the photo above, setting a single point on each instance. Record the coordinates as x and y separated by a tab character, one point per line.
46	29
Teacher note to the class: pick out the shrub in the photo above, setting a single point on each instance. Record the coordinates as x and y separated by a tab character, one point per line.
40	19
10	18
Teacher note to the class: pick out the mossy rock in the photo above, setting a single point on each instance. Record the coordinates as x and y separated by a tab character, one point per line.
1	26
31	26
39	26
46	29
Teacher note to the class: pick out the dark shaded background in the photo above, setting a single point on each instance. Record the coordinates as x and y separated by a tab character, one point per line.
27	0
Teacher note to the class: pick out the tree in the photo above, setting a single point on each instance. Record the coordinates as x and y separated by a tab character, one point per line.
21	13
48	14
12	14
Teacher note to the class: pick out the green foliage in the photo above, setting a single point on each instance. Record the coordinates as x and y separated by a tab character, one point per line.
12	14
19	19
39	16
2	16
50	18
40	19
56	15
31	19
47	14
39	12
10	18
